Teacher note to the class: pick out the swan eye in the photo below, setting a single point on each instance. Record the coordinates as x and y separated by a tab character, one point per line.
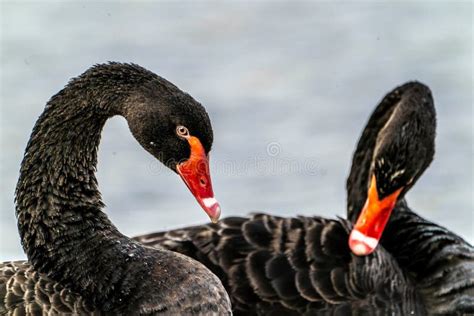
182	131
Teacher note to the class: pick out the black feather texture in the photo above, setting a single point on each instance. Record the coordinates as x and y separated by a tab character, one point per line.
300	271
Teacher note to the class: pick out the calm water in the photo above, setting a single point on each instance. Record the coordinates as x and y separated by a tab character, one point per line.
288	88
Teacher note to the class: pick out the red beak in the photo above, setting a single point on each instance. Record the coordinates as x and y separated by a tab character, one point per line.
196	175
369	227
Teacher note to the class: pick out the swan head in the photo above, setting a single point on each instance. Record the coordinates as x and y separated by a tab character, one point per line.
404	148
176	130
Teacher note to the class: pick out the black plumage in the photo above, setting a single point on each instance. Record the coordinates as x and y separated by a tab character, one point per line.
78	262
303	265
298	272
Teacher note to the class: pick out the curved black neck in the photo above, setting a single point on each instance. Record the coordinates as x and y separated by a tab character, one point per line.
63	230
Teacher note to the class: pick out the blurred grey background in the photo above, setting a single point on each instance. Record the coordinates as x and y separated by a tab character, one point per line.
288	86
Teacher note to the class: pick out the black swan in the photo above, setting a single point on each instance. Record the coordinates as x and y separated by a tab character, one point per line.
78	262
304	265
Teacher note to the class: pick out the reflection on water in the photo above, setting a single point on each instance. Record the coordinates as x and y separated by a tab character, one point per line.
288	88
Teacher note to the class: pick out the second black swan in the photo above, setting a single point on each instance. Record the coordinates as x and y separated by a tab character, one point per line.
315	266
